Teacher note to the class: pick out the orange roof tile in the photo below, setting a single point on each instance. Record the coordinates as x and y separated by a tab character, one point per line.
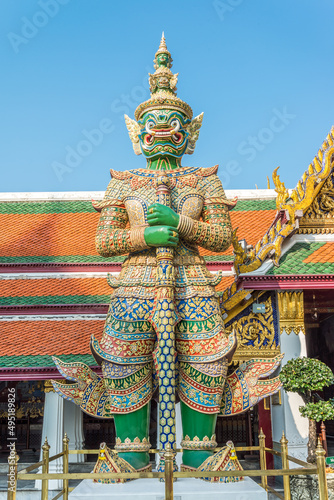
42	287
252	225
324	254
48	234
225	282
48	337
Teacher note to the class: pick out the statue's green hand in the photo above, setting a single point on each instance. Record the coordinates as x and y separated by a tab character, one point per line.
160	215
161	236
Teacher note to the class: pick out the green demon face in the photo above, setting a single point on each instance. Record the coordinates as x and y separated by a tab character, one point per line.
163	133
163	60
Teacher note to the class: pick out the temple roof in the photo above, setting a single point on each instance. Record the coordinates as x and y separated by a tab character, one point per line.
60	233
296	250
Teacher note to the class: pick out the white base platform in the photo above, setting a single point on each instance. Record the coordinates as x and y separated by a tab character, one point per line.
184	489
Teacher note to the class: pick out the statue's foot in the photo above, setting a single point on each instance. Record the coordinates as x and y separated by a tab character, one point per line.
195	458
224	460
135	459
109	461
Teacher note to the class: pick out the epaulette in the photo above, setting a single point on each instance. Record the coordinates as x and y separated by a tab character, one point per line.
206	172
120	175
218	201
99	205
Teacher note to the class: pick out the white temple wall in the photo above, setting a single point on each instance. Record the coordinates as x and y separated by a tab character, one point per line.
286	417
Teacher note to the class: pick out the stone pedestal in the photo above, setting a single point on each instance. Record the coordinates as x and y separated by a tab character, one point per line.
53	430
61	416
184	489
73	426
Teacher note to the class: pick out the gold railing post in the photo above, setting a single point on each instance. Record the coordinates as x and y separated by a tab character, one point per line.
65	466
169	459
323	437
45	469
12	473
263	461
285	465
321	466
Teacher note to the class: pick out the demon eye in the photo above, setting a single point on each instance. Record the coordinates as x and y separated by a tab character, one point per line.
175	124
148	127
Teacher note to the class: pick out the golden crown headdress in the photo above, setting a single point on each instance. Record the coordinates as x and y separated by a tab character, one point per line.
163	96
163	86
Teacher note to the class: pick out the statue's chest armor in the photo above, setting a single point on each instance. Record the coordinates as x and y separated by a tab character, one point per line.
185	200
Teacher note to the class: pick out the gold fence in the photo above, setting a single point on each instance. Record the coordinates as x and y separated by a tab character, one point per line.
305	468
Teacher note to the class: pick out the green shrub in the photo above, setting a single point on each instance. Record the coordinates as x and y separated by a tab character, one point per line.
305	376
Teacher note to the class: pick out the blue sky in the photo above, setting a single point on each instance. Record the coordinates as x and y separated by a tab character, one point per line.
262	72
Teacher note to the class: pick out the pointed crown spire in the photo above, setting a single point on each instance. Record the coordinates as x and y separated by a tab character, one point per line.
163	85
162	47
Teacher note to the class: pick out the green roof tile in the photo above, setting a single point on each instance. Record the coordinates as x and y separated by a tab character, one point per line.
44	361
72	259
255	205
45	207
219	258
63	207
292	261
54	299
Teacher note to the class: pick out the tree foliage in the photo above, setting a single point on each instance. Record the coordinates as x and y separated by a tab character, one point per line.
320	411
306	375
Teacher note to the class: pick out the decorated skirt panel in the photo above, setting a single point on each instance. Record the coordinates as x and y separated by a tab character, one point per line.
129	340
201	386
129	337
200	390
200	334
130	393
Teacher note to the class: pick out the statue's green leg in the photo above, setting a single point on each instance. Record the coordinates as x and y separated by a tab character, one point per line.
197	424
132	425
